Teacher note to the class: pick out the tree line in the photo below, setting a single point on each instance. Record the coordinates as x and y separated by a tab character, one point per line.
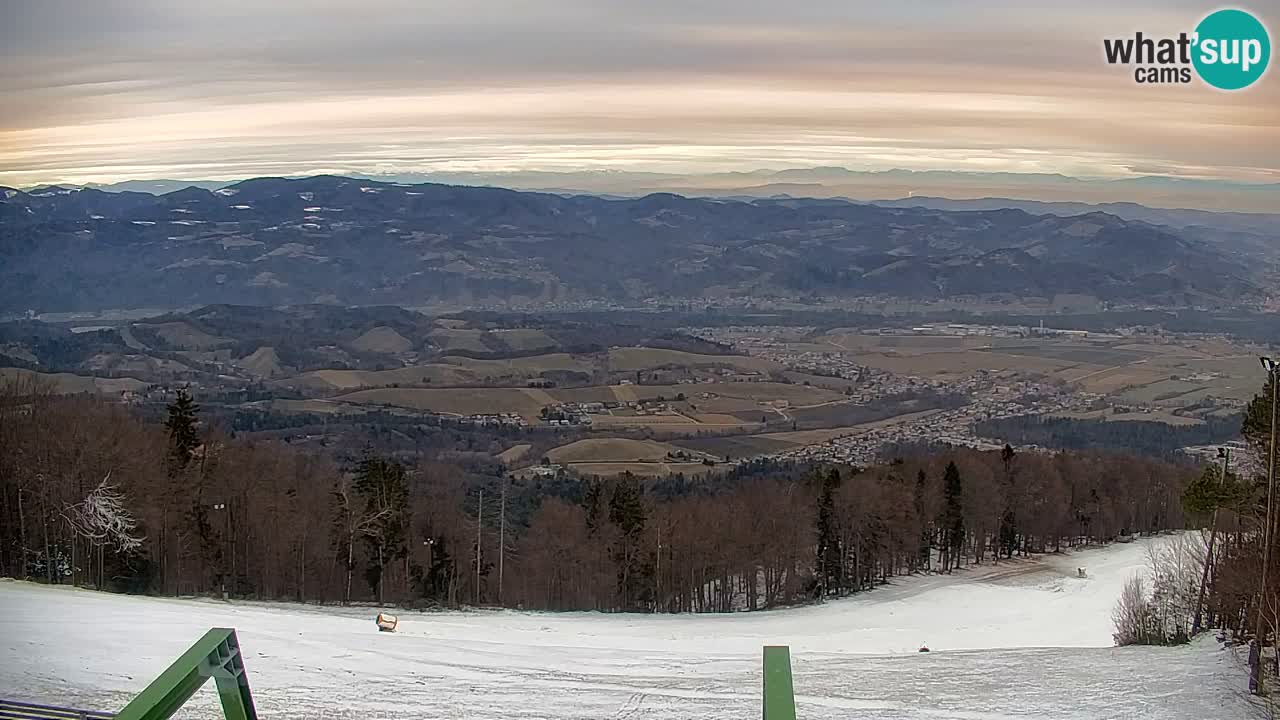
1239	563
92	495
1156	439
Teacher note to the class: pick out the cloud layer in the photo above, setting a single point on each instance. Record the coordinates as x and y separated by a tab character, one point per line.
117	90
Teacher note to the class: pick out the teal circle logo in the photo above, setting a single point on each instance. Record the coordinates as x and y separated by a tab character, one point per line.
1232	49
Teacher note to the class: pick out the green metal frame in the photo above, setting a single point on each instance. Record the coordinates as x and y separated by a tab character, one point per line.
217	656
779	695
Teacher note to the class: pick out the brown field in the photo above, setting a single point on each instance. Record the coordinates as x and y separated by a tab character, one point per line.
262	363
382	339
625	393
513	454
816	437
1134	369
731	396
525	339
945	365
1113	380
522	367
648	469
451	340
732	405
434	374
322	407
451	401
451	370
69	384
611	450
539	396
185	336
774	442
631	359
822	381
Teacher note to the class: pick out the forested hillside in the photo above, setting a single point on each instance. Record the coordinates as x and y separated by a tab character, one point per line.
336	240
1156	439
94	496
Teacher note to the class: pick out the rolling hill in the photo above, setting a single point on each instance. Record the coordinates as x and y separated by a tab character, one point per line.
326	239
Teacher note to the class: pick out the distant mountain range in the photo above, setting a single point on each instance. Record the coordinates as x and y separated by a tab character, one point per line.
331	239
827	182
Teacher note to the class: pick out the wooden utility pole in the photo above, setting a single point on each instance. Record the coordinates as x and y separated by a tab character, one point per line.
22	539
502	535
479	524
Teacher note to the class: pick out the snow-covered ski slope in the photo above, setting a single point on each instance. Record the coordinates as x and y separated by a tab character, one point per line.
1024	640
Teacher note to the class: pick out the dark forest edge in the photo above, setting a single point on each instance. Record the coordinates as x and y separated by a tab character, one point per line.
94	496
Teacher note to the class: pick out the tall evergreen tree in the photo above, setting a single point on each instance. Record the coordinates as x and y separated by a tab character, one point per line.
627	513
1256	426
953	514
1008	531
181	424
829	555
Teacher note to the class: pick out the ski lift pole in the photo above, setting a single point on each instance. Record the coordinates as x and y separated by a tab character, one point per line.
779	694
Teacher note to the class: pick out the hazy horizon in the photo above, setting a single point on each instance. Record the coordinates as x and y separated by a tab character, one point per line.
120	91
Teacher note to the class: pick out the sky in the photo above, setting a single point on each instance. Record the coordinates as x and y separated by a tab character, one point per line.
106	91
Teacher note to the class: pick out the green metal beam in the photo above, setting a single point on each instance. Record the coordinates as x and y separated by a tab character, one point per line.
217	656
779	695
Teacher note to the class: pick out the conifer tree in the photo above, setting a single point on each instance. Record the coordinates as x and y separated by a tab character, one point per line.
828	553
181	424
953	515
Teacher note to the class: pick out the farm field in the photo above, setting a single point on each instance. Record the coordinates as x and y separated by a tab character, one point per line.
640	358
337	380
70	384
529	366
646	469
513	454
453	340
382	339
451	401
775	442
184	336
726	404
1132	369
524	339
611	449
563	368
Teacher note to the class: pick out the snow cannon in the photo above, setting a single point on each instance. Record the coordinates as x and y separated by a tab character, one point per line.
387	623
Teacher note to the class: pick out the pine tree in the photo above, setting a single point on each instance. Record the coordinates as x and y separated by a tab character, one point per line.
926	531
1256	426
627	513
953	515
181	424
829	552
1008	532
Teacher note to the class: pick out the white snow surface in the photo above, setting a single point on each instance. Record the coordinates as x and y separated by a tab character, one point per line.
1025	639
